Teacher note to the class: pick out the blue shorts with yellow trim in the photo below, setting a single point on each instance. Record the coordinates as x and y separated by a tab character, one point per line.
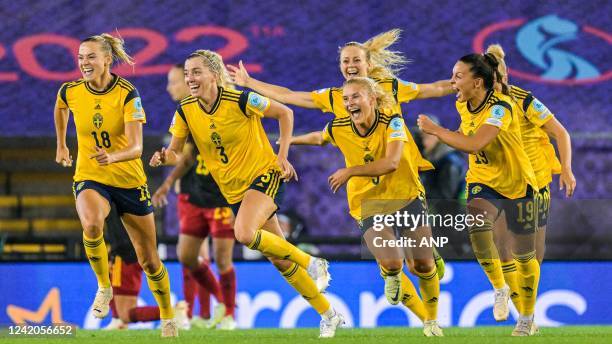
136	201
521	213
269	183
416	207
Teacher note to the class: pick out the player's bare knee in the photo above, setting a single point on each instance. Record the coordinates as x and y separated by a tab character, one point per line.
223	264
244	235
92	226
188	260
150	265
391	264
424	265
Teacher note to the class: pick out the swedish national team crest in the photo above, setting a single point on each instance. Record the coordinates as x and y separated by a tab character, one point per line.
97	120
476	189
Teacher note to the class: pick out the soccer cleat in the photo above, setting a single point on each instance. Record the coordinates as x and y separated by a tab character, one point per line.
439	263
393	289
180	315
227	323
101	303
523	327
327	327
116	324
198	322
317	270
432	329
534	329
217	316
500	307
169	328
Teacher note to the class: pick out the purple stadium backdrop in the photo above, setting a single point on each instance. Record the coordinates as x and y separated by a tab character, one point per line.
561	51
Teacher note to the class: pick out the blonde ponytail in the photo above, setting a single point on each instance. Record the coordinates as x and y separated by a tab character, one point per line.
385	63
214	62
383	99
113	46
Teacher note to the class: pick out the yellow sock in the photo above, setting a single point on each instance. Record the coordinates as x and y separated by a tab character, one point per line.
511	278
429	285
97	255
487	255
528	280
275	246
411	298
384	272
159	283
298	278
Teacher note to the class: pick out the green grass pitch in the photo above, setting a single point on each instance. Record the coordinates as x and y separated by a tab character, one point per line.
484	335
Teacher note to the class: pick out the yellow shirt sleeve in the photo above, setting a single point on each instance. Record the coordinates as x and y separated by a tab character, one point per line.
537	113
396	130
256	104
327	134
406	91
321	98
499	115
132	108
178	127
62	101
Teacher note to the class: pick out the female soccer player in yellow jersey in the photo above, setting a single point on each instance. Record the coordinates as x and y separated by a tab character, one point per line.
537	125
370	59
226	127
108	116
382	178
500	179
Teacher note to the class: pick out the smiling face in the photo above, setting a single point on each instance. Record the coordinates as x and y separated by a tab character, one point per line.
359	103
176	84
463	82
353	62
93	60
198	77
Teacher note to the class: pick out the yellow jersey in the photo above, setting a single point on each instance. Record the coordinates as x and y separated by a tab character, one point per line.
536	142
230	138
503	164
330	100
100	118
396	188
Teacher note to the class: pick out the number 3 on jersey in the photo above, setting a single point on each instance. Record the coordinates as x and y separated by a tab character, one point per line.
105	137
216	139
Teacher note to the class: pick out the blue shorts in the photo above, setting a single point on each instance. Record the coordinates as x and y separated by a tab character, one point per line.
136	201
521	213
269	183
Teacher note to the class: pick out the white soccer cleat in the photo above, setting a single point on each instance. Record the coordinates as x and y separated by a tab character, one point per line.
180	315
317	270
432	329
524	327
101	302
217	316
198	322
116	324
227	323
327	327
534	329
393	289
500	307
169	328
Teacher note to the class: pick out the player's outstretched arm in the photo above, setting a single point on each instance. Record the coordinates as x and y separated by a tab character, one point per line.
241	77
314	138
468	144
435	89
557	131
62	153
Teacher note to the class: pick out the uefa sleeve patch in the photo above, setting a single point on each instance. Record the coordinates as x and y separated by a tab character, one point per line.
173	121
498	111
258	102
397	124
540	108
412	85
323	90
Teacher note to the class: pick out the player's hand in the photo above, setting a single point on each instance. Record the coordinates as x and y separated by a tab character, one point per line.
287	169
426	124
239	74
102	157
158	158
339	178
160	198
63	157
567	181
